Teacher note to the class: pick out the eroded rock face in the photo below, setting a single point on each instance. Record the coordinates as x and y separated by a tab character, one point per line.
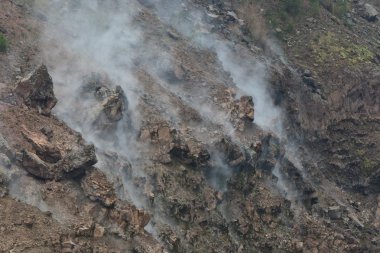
36	90
235	156
44	149
113	102
243	112
250	215
35	166
171	143
129	218
3	185
97	187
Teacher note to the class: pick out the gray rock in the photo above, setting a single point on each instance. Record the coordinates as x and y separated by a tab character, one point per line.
3	185
355	220
78	160
335	212
307	73
4	161
4	147
112	103
369	12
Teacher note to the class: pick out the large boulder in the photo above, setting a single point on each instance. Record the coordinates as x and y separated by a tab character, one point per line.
78	160
36	90
70	166
369	12
113	102
108	104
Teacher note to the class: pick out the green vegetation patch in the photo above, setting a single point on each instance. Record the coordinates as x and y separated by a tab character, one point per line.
368	165
3	43
337	7
288	12
329	48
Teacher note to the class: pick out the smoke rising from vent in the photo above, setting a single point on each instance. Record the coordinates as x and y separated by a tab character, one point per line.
248	74
111	38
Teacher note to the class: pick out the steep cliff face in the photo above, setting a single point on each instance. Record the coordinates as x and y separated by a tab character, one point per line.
188	127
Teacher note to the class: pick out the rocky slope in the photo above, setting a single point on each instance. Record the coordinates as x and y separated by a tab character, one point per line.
153	126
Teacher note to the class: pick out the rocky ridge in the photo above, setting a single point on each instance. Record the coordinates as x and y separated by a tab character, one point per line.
202	188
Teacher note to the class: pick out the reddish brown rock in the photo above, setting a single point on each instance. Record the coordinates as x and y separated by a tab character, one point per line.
36	90
98	188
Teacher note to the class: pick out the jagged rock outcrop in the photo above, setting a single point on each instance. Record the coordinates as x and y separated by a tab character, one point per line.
208	178
170	143
78	160
235	156
72	165
98	188
36	90
3	184
127	215
111	103
243	112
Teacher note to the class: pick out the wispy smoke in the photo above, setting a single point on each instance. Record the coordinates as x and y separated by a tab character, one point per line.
248	72
112	38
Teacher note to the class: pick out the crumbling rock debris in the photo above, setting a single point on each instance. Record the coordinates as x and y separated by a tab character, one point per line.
85	229
270	151
4	148
97	187
5	161
36	90
145	244
48	132
236	156
189	150
112	103
129	218
372	183
335	212
169	237
3	185
171	143
99	231
243	112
